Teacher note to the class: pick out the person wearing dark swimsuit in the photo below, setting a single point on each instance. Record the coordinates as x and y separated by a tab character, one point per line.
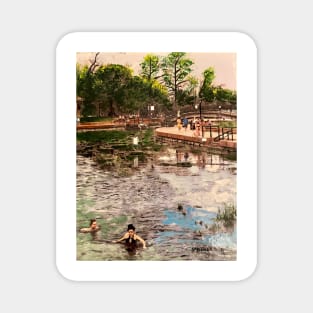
131	238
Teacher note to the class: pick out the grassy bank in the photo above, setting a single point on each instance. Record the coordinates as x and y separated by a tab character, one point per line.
226	124
95	119
106	136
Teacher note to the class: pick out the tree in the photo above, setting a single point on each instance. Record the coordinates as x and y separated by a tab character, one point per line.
225	95
158	96
207	90
111	83
85	89
150	67
209	76
210	92
85	86
140	93
176	68
151	73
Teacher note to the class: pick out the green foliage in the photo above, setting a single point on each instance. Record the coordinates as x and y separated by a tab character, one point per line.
176	68
148	136
225	94
112	89
85	88
88	119
106	136
140	91
226	124
158	95
111	83
227	216
232	156
210	92
209	75
150	67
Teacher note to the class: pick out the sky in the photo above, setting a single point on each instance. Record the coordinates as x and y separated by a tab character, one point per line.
224	64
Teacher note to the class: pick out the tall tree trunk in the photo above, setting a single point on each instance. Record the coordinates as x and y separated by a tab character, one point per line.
111	108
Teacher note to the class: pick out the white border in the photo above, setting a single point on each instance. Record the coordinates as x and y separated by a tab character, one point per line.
246	51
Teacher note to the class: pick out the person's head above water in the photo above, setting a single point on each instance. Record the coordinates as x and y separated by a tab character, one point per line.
131	235
93	224
131	226
131	230
93	227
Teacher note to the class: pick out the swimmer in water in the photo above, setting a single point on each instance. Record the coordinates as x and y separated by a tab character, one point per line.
93	227
131	238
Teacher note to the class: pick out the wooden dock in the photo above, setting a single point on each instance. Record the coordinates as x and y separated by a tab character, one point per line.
172	134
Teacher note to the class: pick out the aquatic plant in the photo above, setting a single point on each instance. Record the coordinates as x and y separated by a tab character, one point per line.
232	123
227	215
103	136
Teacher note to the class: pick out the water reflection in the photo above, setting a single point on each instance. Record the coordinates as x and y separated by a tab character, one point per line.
149	198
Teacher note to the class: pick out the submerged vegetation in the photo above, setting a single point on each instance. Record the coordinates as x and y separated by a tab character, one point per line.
116	149
120	139
103	136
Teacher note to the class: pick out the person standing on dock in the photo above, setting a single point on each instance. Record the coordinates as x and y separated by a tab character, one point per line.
198	125
193	123
178	123
185	123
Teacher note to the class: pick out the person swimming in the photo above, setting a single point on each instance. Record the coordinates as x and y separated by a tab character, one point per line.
93	227
131	238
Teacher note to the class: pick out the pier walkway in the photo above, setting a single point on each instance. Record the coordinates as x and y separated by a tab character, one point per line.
225	140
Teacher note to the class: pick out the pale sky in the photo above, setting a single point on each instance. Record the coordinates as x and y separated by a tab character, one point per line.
224	64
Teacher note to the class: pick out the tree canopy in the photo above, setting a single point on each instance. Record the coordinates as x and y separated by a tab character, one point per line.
176	68
113	89
150	67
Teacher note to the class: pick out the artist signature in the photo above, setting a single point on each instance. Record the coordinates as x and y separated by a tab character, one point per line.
206	249
200	249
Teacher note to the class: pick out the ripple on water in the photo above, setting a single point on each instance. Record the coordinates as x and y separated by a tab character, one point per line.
149	199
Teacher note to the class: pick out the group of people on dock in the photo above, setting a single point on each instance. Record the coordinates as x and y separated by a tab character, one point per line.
195	124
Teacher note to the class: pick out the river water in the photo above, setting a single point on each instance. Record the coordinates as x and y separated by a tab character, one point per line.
173	207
